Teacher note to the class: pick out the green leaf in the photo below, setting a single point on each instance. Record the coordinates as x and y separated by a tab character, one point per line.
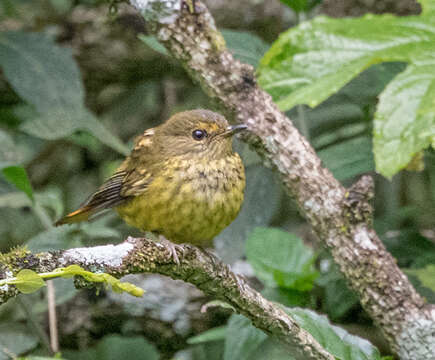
409	247
246	47
18	176
15	340
309	63
8	151
334	339
280	258
349	158
242	339
117	285
312	61
62	122
338	299
301	5
214	334
154	44
426	276
28	281
404	122
46	76
428	6
39	358
115	347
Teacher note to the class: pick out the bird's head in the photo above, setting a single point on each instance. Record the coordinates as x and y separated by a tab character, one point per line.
196	133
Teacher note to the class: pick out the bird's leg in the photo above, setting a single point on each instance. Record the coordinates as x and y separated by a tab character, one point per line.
172	248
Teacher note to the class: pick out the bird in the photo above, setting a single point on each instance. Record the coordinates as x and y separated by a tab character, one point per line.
182	181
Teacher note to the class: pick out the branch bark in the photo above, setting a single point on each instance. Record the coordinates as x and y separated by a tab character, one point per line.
340	217
202	269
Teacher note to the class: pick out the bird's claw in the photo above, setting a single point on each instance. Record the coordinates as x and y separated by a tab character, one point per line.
172	249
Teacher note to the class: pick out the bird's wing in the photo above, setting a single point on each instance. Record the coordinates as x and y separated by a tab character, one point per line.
108	195
131	179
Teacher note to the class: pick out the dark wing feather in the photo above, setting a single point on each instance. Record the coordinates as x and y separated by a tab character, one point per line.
131	179
107	196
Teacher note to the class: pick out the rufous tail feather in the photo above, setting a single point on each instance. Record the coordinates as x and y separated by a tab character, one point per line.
79	215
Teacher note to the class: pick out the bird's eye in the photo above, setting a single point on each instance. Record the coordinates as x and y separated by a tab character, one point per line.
199	134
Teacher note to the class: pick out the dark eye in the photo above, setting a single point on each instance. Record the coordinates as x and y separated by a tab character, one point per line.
199	134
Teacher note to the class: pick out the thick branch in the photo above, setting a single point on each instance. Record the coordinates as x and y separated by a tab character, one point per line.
196	267
340	221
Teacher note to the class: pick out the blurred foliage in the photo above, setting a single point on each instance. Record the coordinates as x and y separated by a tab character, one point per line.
77	85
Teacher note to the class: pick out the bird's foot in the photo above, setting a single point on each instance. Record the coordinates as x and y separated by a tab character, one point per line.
172	248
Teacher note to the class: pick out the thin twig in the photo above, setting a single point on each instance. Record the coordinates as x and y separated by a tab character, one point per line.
52	318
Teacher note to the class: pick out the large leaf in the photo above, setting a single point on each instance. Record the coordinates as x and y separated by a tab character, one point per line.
244	341
15	340
309	63
46	77
405	118
334	339
280	258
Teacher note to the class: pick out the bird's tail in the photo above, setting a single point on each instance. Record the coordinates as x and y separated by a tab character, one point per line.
79	215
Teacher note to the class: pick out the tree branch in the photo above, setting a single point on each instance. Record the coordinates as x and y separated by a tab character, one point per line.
339	217
139	255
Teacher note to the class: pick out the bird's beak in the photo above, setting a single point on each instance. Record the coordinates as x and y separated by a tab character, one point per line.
234	129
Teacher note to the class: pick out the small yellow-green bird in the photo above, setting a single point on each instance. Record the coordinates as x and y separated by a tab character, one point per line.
182	180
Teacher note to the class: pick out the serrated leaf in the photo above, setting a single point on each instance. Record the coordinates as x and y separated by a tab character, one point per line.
281	259
312	61
309	63
426	276
18	176
245	46
46	76
28	281
404	122
15	340
334	339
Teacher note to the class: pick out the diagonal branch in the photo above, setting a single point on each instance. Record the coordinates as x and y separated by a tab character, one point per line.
340	218
139	255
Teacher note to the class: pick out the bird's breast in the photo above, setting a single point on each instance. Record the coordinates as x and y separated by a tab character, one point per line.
190	201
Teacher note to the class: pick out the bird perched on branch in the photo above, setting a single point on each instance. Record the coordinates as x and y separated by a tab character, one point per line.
182	181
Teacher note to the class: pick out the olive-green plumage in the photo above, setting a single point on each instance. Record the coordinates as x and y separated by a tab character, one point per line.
182	180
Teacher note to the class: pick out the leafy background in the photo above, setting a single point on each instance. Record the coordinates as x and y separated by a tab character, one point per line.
78	83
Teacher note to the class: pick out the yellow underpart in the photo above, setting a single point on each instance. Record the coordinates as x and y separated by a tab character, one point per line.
189	201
